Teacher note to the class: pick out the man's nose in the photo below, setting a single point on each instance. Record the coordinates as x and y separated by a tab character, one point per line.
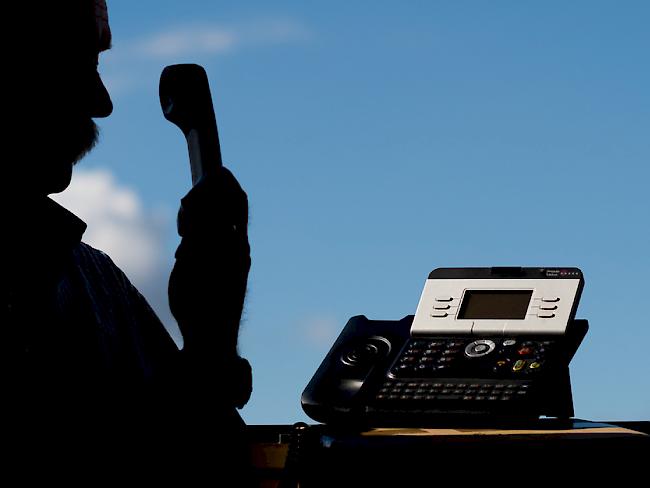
102	105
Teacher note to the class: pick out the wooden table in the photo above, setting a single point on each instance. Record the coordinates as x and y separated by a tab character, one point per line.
543	453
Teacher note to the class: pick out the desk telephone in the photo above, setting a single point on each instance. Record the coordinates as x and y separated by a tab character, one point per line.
484	343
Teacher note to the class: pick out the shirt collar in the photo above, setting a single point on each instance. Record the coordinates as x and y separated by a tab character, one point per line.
60	222
43	223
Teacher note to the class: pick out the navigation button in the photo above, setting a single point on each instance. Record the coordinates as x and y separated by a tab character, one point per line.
479	348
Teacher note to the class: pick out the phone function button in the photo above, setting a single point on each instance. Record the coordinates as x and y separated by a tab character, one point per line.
441	306
525	351
519	365
502	365
546	306
509	342
439	314
546	315
550	299
444	299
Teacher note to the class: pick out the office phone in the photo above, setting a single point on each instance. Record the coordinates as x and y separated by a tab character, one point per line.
484	344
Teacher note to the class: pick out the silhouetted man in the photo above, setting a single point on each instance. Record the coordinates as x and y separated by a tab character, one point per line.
87	369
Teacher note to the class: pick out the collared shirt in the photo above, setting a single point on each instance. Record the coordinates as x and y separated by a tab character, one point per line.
89	374
77	337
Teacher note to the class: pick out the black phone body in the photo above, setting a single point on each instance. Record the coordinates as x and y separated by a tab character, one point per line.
377	374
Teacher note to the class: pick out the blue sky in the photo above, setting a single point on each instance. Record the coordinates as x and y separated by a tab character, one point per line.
379	140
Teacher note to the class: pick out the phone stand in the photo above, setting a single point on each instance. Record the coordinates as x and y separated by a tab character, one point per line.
559	393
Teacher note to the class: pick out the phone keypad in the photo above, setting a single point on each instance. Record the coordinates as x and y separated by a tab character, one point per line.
489	358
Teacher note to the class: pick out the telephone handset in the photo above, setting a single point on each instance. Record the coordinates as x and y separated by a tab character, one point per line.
186	101
485	344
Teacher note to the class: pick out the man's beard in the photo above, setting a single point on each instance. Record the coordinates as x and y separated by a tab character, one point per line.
66	145
44	155
88	135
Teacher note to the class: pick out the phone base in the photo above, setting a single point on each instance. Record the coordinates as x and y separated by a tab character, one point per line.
377	375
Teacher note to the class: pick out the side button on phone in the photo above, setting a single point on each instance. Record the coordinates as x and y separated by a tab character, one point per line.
439	314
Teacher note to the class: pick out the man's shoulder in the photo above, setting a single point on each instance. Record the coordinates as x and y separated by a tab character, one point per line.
95	266
85	252
112	294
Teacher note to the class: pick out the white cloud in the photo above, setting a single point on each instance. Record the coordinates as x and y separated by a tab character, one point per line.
118	223
218	38
188	41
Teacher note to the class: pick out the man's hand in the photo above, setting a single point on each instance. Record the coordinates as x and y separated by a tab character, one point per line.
208	283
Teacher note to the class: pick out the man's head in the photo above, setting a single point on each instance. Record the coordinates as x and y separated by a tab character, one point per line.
52	91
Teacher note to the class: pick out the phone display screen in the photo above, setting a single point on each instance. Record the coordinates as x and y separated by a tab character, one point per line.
495	304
